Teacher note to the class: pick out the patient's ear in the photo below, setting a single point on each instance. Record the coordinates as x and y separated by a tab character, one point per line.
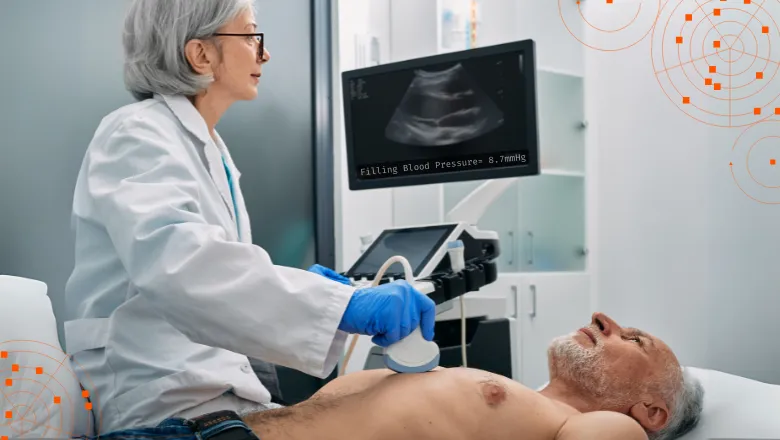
651	414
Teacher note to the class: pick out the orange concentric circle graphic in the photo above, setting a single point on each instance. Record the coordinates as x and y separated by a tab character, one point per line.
755	162
716	61
40	394
609	25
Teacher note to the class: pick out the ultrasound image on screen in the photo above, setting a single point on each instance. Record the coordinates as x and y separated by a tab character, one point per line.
414	245
447	111
443	108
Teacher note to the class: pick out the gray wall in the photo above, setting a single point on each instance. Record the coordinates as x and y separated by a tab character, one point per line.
62	72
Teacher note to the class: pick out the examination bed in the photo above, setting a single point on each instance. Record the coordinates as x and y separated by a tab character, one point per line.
734	407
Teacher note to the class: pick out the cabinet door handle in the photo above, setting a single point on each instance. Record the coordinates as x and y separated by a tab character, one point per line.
532	313
530	248
512	243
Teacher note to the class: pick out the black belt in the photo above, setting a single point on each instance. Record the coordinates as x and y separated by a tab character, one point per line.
204	424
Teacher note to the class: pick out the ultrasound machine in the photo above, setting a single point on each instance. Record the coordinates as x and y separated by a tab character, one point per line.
460	116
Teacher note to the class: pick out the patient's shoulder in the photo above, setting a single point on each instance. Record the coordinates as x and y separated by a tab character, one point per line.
602	425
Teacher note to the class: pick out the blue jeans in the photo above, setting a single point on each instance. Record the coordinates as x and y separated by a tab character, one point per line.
170	429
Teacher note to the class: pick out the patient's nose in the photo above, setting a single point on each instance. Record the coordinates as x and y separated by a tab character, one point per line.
604	323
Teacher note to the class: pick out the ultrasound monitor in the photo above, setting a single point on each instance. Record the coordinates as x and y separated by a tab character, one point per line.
459	116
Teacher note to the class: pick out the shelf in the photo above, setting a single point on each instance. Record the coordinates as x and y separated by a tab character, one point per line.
561	103
541	219
562	172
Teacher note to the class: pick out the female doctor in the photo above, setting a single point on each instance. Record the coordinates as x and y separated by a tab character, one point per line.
170	296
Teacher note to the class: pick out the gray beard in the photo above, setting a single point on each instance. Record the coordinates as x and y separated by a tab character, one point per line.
584	369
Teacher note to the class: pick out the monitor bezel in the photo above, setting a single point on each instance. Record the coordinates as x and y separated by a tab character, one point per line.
526	47
446	227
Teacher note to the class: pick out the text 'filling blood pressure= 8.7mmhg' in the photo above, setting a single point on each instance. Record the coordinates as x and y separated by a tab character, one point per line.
431	166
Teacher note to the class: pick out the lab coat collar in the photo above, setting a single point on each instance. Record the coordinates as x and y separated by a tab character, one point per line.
188	115
192	120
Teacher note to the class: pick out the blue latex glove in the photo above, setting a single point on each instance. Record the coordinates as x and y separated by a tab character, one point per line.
389	312
330	274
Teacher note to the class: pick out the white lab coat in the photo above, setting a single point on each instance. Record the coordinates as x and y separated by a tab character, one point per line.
169	301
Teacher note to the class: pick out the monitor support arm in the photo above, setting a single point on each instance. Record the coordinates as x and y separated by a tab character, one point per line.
471	208
475	204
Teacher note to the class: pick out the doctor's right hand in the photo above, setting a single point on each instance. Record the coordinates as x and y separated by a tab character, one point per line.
389	312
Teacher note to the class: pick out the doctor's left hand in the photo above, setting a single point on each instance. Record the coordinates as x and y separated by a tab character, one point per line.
330	274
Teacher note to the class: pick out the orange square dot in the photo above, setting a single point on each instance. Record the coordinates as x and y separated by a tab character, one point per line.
4	354
759	75
38	370
4	437
717	86
747	2
9	415
688	17
679	40
9	382
757	111
765	29
772	162
713	69
88	406
716	12
716	44
57	399
708	82
85	394
609	1
686	100
15	367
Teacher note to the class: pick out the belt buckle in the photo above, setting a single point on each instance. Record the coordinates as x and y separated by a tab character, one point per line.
203	423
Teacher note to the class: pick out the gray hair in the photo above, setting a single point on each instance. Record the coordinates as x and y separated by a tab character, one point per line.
686	407
155	33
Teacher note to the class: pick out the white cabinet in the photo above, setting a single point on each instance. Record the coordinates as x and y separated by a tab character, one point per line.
548	305
542	306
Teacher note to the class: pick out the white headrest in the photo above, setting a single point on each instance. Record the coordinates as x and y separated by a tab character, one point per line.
736	407
34	370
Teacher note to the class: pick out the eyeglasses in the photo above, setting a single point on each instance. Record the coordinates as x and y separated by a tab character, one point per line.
260	37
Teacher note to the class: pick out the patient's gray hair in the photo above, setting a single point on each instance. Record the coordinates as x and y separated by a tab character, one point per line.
155	33
686	403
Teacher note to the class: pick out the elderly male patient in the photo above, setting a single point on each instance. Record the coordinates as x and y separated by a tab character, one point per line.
606	382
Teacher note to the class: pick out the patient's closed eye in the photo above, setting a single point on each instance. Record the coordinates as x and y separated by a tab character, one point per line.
636	339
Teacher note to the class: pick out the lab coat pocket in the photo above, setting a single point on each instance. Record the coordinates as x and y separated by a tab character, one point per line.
155	400
85	342
86	334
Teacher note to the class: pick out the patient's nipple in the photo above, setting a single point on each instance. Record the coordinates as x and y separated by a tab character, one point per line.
493	393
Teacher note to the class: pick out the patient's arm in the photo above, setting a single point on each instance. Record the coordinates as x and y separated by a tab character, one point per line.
601	425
